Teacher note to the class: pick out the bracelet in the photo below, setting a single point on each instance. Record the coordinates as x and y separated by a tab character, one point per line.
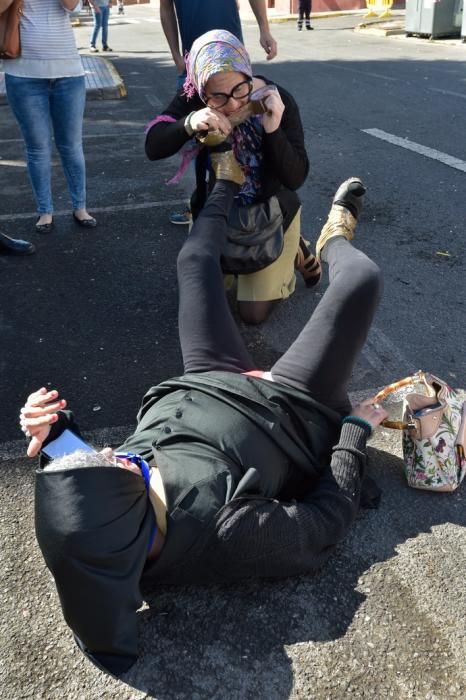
187	124
358	421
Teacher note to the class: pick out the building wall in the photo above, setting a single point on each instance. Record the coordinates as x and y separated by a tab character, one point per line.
291	6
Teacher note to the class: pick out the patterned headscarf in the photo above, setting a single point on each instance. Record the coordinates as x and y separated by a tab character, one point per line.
214	52
219	51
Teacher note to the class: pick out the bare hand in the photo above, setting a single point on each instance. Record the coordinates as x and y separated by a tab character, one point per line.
275	108
208	119
37	415
370	411
269	44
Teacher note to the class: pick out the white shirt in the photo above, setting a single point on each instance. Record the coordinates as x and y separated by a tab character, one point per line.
48	46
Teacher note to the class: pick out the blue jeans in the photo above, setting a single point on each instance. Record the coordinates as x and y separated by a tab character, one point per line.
100	21
40	104
180	81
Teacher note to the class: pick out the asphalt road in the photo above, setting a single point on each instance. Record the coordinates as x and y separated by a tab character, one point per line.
100	305
94	314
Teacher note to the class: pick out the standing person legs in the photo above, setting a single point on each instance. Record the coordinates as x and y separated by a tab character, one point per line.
209	336
105	12
67	101
97	26
29	101
321	359
300	14
308	14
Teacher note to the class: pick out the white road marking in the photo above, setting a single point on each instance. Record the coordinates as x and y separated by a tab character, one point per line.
444	158
13	163
338	66
97	210
124	21
106	135
449	92
382	354
154	101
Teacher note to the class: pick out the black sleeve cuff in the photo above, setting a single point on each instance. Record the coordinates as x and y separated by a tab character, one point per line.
65	420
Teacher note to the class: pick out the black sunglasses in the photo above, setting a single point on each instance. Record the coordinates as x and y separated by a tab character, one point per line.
219	99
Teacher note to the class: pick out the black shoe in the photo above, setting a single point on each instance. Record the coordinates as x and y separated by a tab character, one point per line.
44	228
15	246
350	195
106	48
308	27
85	223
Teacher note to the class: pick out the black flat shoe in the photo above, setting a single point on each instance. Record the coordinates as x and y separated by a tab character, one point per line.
85	223
44	228
15	246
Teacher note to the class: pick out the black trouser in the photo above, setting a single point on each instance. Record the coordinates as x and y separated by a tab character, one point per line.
305	9
321	359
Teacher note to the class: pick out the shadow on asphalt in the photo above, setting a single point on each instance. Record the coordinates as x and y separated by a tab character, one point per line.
242	627
118	283
230	641
96	315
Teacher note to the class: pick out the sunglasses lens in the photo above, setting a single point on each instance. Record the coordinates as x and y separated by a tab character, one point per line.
239	92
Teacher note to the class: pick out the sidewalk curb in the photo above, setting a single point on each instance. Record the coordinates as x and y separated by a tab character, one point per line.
114	91
117	91
400	31
277	19
372	28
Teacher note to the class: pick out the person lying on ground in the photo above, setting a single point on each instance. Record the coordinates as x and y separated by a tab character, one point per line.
231	471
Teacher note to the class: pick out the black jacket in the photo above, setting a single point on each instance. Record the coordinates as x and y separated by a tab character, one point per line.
253	488
285	165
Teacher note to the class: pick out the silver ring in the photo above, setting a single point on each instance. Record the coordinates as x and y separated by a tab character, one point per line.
376	406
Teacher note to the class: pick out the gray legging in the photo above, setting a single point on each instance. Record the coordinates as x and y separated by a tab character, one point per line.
321	359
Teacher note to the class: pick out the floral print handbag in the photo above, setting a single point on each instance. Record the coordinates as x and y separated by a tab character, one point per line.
434	431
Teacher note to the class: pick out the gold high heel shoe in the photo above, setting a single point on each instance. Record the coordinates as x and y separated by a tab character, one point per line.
343	215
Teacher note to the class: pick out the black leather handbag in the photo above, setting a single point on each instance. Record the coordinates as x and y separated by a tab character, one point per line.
255	237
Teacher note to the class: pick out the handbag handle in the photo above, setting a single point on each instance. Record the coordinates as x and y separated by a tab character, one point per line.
390	389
